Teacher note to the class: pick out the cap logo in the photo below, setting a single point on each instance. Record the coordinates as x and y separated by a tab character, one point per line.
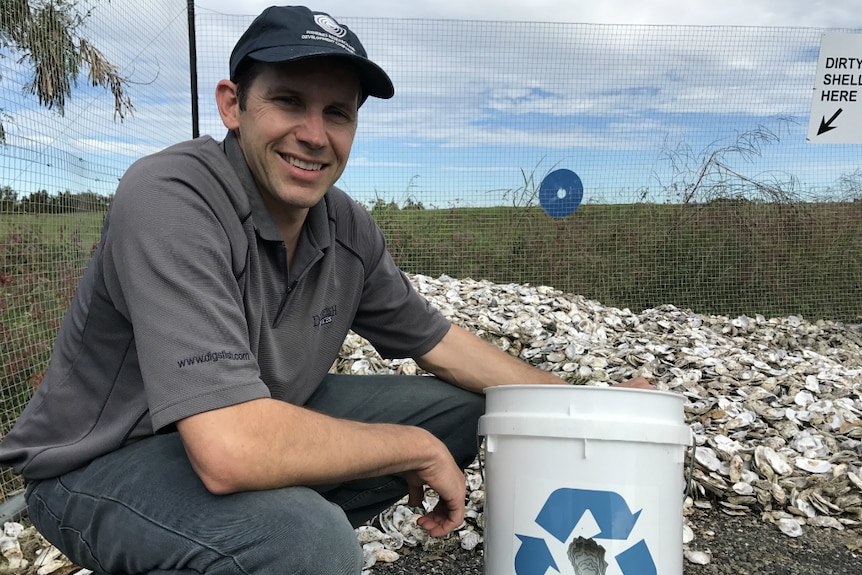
330	25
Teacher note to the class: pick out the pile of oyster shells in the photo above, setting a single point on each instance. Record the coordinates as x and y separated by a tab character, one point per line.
775	403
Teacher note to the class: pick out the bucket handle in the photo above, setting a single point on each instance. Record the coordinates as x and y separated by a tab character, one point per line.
690	475
690	467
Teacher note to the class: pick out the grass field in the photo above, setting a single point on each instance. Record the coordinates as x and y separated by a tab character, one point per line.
42	258
724	257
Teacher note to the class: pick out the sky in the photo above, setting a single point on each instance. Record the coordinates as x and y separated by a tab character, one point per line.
512	102
490	96
805	13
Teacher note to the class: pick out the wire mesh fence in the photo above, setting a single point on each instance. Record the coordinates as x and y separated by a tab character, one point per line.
61	163
652	118
699	188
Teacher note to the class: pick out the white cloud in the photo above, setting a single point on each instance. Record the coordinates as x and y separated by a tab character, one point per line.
463	88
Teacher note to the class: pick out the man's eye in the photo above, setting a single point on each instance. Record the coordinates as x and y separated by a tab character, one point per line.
340	114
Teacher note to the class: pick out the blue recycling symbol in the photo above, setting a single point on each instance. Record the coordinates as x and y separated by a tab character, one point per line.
562	512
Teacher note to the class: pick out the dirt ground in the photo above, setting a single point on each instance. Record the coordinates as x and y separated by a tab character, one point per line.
737	545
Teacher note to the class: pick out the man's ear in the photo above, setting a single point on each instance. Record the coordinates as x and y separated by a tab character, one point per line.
228	104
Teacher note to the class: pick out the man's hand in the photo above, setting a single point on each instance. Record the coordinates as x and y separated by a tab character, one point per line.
444	477
636	383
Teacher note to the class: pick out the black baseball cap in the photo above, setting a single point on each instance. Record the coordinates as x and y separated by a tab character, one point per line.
285	33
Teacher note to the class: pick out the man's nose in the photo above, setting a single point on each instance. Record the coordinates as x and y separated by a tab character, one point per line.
312	130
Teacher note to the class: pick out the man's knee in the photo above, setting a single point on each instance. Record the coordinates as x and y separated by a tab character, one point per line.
318	541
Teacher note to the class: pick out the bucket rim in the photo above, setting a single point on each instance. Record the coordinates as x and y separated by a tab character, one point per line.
549	386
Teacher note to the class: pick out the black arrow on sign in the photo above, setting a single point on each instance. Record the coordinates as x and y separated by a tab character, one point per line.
825	125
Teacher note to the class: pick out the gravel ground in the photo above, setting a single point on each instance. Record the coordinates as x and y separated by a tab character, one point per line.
739	545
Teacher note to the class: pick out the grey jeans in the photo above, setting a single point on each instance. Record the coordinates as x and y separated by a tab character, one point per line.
142	509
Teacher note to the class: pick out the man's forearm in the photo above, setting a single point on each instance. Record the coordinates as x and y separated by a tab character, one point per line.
266	444
468	361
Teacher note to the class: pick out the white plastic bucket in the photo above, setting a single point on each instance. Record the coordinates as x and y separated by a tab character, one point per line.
583	480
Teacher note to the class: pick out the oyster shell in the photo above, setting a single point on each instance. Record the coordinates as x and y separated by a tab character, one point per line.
775	404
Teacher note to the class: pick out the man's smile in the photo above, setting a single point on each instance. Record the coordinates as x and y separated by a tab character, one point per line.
301	164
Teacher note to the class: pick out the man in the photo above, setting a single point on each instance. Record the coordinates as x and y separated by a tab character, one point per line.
187	422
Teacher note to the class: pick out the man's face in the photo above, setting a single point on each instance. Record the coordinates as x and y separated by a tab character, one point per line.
296	130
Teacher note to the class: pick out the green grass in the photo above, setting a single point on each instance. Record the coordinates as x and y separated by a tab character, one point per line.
42	258
723	257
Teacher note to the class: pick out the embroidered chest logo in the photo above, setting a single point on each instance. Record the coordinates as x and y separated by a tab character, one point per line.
325	317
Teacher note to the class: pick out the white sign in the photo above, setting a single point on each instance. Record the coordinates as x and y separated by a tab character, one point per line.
836	105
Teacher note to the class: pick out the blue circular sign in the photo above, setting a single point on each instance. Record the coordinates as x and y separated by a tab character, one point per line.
560	193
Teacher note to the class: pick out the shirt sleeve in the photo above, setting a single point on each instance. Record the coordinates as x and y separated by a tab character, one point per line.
392	315
173	261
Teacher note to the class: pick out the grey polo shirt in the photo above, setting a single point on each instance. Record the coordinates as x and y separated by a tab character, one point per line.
188	305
